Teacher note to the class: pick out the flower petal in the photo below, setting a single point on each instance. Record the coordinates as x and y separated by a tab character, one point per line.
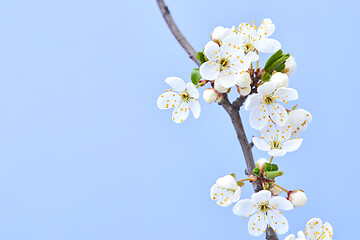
266	88
253	56
227	79
181	113
236	195
192	90
261	196
176	83
231	45
259	117
290	237
209	70
244	207
277	152
292	145
267	45
266	28
281	203
195	108
257	224
278	114
277	221
212	51
313	228
286	94
168	100
227	181
328	230
253	101
261	144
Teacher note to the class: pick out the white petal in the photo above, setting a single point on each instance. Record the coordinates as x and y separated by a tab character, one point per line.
209	70
192	90
253	56
313	228
257	224
243	79
212	51
277	221
253	101
239	64
278	114
220	88
227	181
221	195
258	118
290	237
244	207
168	100
286	94
231	45
261	144
195	108
277	152
267	88
226	79
266	28
181	113
236	195
300	234
292	145
176	83
281	203
261	196
328	231
267	45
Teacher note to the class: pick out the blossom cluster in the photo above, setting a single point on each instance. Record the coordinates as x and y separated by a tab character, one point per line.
227	62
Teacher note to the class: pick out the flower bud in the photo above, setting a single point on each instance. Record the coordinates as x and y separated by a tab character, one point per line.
290	66
297	117
297	198
275	190
260	164
243	79
244	91
210	95
220	88
220	33
280	79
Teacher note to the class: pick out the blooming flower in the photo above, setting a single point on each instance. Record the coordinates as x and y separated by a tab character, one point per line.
265	105
256	39
264	211
225	191
225	61
276	140
182	97
299	120
220	33
314	230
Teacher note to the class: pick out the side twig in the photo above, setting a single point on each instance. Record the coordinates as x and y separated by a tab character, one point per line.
231	108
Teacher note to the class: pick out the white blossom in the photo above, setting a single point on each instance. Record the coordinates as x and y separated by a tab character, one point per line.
265	105
225	61
264	210
290	66
280	79
276	140
182	97
257	38
220	33
225	191
243	83
297	198
299	120
211	95
315	230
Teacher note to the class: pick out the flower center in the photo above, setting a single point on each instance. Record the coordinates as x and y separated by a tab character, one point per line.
264	206
185	96
224	63
275	145
248	47
268	99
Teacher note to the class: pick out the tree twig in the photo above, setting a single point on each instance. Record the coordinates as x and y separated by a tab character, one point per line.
231	109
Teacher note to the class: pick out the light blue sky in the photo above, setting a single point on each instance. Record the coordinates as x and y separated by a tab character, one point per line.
86	154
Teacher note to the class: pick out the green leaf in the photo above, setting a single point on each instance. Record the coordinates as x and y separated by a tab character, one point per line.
273	174
195	76
265	77
271	167
274	167
201	56
273	58
278	64
256	171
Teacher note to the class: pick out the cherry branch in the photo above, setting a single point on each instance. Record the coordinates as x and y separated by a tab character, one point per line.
231	108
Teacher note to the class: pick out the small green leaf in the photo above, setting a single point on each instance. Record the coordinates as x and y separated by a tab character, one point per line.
265	77
278	64
273	58
274	167
256	171
195	76
201	56
273	174
233	175
240	183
